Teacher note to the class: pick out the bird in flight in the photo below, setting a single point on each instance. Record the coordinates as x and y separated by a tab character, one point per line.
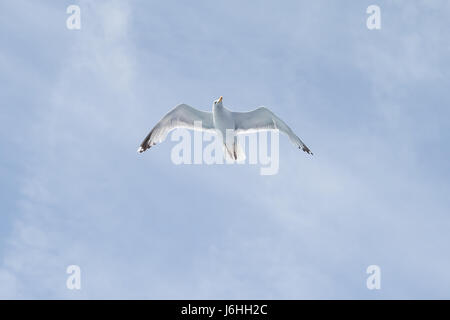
221	121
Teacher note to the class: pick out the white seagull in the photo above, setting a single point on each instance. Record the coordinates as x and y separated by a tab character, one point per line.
219	121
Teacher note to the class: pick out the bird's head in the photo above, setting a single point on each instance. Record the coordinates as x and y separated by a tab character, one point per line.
218	102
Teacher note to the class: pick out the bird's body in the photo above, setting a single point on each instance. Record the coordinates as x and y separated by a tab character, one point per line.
224	122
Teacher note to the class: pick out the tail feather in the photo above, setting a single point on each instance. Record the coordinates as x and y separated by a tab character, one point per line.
240	153
235	153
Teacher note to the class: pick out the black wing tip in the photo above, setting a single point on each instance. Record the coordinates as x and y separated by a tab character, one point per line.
143	149
306	149
146	144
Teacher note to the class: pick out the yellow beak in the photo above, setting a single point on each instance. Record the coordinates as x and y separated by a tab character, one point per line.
220	99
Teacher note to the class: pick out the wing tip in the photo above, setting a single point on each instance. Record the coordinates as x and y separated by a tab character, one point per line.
145	146
306	149
141	149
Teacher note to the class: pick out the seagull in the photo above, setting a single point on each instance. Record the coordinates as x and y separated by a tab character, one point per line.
221	120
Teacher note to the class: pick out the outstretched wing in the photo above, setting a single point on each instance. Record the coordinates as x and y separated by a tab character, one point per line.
182	116
263	119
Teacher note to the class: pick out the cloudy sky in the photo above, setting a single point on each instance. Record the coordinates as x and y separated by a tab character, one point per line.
372	105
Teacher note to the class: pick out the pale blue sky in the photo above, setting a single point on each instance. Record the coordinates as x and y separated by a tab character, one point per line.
372	106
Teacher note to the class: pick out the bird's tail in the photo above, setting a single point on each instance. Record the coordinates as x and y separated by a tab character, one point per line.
234	152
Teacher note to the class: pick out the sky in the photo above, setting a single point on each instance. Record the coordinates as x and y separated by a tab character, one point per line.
372	105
